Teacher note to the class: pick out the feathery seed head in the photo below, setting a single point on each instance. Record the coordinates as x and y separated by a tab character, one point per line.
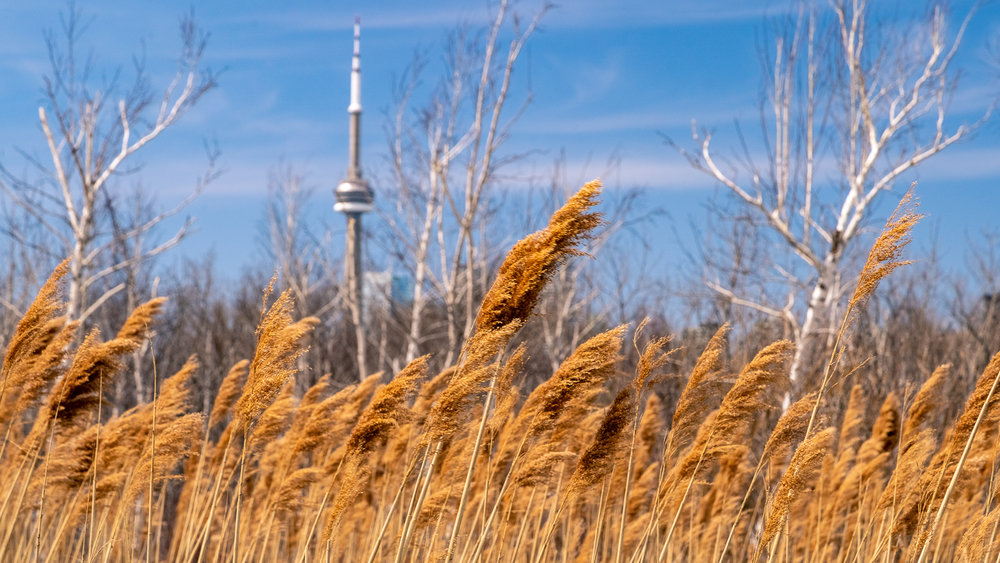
322	419
701	395
507	394
587	368
387	408
229	391
137	325
95	365
596	462
854	417
481	364
884	255
34	329
25	383
885	432
652	357
274	420
790	429
172	445
758	380
534	259
279	345
798	478
542	468
925	405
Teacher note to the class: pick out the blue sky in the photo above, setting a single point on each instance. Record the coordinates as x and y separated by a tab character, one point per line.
608	78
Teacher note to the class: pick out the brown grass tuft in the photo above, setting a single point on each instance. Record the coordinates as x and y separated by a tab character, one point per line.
934	481
701	395
789	431
596	462
229	391
481	363
534	260
386	411
175	442
797	480
925	406
757	389
279	345
884	256
34	330
95	364
588	367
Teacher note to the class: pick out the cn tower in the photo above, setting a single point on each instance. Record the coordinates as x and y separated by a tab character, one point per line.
354	199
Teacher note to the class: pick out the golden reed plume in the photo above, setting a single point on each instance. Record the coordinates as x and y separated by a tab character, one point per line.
481	462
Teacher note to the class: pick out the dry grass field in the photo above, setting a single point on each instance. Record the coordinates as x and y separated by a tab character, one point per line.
464	465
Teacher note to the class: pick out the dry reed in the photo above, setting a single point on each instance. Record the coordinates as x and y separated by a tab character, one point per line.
461	467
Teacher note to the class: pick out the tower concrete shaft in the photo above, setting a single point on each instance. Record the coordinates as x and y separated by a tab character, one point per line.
352	269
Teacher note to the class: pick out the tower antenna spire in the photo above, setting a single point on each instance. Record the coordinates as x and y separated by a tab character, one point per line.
354	109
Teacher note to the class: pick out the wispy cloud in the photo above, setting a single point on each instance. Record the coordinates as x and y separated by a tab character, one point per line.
640	13
593	79
961	163
578	14
663	170
666	172
408	15
650	118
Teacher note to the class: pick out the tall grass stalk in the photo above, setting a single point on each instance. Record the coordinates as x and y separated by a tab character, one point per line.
457	524
152	466
958	469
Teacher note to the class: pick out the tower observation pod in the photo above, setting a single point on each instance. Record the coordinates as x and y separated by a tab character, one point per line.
354	195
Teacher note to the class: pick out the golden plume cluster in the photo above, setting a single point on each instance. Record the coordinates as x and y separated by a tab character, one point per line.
466	465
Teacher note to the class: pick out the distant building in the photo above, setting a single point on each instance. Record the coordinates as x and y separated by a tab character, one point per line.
402	289
384	290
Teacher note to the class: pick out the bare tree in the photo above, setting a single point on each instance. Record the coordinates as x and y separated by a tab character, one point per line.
443	165
92	135
300	253
127	220
848	112
976	305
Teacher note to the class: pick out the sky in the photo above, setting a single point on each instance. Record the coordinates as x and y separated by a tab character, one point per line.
608	79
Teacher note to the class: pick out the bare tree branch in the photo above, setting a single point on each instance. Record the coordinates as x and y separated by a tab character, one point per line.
874	92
